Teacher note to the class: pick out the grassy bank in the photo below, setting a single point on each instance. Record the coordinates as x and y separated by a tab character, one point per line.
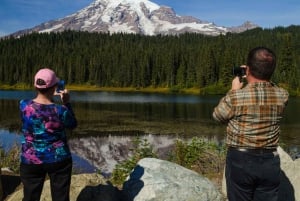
86	87
216	89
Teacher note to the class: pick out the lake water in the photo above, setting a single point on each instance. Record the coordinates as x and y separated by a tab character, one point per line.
108	122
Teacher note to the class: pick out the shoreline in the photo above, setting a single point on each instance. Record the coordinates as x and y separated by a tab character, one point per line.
73	87
209	90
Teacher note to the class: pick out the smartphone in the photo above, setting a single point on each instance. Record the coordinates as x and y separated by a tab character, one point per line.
60	86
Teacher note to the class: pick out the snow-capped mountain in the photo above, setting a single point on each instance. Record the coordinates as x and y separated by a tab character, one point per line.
131	16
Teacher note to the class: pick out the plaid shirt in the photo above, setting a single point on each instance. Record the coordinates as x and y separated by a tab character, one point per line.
253	115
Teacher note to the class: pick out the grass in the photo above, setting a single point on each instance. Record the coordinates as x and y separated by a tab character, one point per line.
214	89
15	87
87	87
134	89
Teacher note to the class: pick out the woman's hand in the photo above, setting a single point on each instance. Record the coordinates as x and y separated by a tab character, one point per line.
65	96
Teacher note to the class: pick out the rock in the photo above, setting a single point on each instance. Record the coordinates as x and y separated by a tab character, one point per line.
290	178
156	180
1	189
289	189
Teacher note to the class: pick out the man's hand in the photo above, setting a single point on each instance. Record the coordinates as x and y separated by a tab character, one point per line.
236	83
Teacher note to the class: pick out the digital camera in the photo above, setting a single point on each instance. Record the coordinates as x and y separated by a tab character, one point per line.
238	71
60	86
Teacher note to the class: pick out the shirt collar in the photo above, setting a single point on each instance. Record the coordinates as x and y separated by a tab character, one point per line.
260	84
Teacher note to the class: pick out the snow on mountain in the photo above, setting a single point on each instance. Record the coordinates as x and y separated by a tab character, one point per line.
131	16
105	152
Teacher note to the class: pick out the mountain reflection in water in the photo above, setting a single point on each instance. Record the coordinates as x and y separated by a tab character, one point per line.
105	152
102	153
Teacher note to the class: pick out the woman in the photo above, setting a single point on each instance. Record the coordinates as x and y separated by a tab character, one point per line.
45	150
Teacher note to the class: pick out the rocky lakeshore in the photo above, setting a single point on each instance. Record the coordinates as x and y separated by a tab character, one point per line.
155	180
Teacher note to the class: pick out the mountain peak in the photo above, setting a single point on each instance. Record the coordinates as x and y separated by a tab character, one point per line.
245	26
134	3
129	16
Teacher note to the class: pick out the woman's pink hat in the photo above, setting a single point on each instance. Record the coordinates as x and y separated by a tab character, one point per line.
45	78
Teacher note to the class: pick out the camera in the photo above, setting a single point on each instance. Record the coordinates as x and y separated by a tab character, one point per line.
60	86
239	71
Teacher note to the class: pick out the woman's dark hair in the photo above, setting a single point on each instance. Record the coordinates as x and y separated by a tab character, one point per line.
261	62
45	90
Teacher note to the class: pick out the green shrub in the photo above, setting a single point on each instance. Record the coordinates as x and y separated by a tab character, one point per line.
11	158
141	149
203	156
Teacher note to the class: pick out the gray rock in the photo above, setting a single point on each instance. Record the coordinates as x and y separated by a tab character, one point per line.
1	189
290	178
157	180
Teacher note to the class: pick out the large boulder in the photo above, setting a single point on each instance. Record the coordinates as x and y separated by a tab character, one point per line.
156	180
290	178
289	189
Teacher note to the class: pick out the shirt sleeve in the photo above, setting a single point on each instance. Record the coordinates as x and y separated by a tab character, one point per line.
223	111
69	118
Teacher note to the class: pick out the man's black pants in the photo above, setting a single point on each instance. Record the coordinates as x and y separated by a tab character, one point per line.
33	177
252	176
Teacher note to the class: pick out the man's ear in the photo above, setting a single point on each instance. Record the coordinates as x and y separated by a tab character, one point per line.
247	71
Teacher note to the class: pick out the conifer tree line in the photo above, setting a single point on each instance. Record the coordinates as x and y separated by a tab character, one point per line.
130	60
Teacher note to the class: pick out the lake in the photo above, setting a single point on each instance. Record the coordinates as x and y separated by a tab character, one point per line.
108	122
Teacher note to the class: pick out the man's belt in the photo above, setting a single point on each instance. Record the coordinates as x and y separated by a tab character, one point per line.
254	151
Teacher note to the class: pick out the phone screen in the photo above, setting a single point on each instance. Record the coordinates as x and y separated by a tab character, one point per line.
60	86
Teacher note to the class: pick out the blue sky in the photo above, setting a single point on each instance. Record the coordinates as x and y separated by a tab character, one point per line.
21	14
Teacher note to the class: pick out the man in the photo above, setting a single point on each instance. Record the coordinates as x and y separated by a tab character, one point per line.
253	115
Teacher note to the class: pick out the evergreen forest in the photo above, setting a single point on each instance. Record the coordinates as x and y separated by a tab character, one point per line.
128	60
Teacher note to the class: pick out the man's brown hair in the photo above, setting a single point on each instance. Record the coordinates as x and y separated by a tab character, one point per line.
261	62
